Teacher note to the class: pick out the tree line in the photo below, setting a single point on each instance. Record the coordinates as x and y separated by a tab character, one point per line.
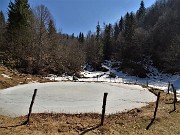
30	42
148	36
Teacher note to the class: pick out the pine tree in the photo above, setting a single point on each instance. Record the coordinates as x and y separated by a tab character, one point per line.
107	39
99	44
2	30
121	24
141	12
98	30
81	37
127	26
130	24
19	31
116	31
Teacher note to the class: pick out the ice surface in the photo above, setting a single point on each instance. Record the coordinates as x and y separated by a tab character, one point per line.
73	97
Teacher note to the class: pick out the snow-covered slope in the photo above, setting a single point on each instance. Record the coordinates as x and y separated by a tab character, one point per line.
155	78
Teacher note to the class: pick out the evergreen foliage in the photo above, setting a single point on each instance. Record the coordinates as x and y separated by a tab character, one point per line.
141	12
19	31
2	30
81	37
121	24
107	40
116	31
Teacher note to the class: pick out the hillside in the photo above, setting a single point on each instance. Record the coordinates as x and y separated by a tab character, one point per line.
10	78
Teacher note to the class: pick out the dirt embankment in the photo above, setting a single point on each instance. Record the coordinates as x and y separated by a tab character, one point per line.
10	78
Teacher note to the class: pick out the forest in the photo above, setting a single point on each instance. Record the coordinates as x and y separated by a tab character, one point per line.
30	42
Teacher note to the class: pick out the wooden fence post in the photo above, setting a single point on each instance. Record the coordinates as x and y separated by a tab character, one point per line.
168	87
157	102
103	108
147	83
175	98
31	105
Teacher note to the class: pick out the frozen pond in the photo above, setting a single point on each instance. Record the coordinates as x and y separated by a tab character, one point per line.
72	97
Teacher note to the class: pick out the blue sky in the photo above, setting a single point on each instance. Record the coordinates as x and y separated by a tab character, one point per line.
74	16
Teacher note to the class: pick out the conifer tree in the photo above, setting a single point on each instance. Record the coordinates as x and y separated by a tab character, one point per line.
107	39
141	12
19	31
127	26
98	30
121	24
116	31
130	24
99	44
2	30
81	37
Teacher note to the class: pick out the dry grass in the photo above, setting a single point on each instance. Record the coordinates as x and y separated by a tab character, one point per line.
133	122
16	78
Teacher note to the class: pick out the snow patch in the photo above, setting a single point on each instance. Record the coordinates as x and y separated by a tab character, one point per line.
6	76
154	78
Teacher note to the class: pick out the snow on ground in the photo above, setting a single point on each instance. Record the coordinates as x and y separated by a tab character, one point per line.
73	97
59	78
6	76
155	78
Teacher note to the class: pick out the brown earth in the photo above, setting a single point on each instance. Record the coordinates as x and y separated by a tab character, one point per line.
133	122
14	78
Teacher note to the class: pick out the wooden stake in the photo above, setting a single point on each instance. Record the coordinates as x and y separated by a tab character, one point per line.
168	87
103	108
31	105
157	102
175	98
